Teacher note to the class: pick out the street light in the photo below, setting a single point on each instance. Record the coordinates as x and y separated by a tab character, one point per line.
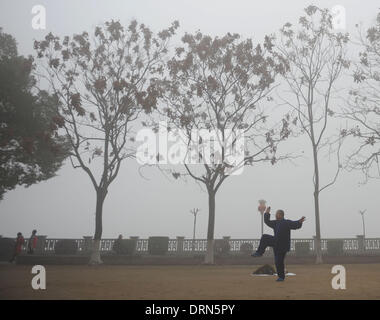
362	212
194	212
261	209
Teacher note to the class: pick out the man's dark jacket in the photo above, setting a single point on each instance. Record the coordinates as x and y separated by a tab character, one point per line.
281	229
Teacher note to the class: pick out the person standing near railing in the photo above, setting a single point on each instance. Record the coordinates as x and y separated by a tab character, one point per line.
117	245
32	243
18	246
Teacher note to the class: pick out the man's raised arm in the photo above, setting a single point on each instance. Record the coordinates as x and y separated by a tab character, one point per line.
296	224
268	222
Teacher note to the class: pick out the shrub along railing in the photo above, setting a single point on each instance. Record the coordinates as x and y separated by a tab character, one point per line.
182	246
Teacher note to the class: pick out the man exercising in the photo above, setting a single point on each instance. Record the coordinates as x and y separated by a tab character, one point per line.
280	241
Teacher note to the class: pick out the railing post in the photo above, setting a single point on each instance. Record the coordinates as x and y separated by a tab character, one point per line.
40	246
315	243
361	243
135	239
227	239
87	246
180	241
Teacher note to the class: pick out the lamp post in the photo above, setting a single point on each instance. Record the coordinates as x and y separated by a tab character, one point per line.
261	209
362	245
194	212
362	212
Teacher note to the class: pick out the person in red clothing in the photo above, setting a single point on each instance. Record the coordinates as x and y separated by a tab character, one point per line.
18	246
32	243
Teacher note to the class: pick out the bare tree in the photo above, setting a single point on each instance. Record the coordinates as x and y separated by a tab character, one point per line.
363	107
316	57
102	84
212	97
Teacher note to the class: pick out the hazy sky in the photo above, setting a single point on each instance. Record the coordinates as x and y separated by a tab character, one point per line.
64	206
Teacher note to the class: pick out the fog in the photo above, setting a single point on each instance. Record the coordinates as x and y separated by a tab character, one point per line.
149	203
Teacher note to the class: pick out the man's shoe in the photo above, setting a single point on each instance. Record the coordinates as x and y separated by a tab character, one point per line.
256	254
280	279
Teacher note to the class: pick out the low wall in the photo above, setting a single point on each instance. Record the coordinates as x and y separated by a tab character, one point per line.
180	245
110	259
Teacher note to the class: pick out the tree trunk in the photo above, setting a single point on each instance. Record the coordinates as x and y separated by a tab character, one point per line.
318	248
95	254
209	258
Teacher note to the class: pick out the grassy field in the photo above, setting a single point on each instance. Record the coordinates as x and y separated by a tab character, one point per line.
188	282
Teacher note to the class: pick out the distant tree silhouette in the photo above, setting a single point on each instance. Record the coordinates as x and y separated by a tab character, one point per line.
31	150
363	107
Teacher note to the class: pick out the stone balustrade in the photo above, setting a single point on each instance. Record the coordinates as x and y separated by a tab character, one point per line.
181	245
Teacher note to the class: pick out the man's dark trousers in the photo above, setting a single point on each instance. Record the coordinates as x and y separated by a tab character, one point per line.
279	256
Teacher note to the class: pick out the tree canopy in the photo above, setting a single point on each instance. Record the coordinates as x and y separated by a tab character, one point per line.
31	148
